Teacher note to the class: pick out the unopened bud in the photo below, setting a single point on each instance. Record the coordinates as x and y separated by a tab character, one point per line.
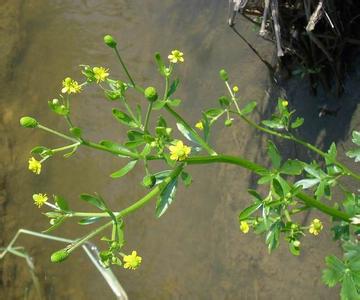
228	122
59	256
149	181
224	75
28	122
150	93
109	40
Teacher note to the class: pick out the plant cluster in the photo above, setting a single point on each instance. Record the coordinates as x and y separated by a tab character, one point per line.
293	186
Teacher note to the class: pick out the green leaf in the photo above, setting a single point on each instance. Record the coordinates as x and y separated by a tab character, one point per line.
173	88
114	146
348	288
138	113
124	170
187	133
248	109
157	105
294	250
356	137
89	220
275	123
214	113
160	176
174	102
186	177
278	188
292	167
124	118
41	150
113	95
76	132
160	64
96	200
354	153
56	224
247	212
307	183
272	237
206	125
274	155
61	203
58	108
265	179
297	123
167	196
224	101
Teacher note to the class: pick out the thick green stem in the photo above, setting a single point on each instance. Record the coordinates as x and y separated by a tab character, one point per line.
309	201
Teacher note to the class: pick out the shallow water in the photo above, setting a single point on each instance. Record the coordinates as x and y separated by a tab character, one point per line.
196	250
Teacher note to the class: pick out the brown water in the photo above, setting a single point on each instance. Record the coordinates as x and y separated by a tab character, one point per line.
196	250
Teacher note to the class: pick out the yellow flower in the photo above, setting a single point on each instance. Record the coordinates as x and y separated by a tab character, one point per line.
176	56
244	227
132	261
179	151
235	89
284	103
34	165
315	227
100	73
40	199
199	125
70	86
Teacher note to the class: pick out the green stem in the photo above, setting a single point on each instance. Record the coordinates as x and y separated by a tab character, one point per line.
124	66
147	117
65	147
57	133
346	170
309	201
113	151
132	208
128	108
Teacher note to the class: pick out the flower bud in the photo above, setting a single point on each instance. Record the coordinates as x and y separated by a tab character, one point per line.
150	93
296	244
28	122
224	75
149	181
109	40
59	256
228	122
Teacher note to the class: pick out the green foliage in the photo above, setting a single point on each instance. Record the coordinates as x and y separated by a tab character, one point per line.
271	213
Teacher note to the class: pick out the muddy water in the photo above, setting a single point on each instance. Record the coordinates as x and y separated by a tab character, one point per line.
195	251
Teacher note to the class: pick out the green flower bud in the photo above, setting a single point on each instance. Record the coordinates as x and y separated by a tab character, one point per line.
150	93
224	75
228	122
296	244
109	40
149	181
28	122
59	256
